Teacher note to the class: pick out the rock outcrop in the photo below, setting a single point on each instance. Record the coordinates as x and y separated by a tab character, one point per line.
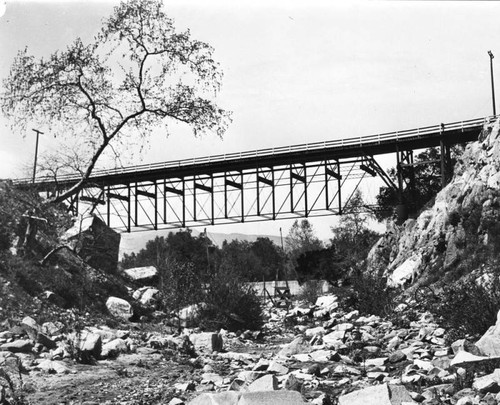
463	217
95	242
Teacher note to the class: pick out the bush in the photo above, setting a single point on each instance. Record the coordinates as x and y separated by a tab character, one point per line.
454	218
179	285
310	291
370	295
230	305
468	307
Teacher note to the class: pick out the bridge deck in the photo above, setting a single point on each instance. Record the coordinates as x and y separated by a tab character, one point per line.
450	133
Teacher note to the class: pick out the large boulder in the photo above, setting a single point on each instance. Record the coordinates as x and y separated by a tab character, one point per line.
146	296
378	394
221	398
53	366
190	316
89	343
405	272
120	308
489	344
282	397
18	346
142	274
207	341
95	242
266	383
297	346
114	347
488	383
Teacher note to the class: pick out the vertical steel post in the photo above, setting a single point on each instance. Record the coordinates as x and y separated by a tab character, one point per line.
194	198
225	195
399	170
327	197
212	197
183	202
108	214
305	191
164	201
272	190
258	193
449	166
443	163
136	216
339	185
129	206
242	199
155	185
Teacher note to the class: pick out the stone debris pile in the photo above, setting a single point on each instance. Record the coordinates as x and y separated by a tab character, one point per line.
318	354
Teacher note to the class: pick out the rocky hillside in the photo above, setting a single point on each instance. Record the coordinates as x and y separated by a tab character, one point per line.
458	233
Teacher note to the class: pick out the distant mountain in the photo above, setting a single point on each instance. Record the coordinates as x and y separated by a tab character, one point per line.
134	242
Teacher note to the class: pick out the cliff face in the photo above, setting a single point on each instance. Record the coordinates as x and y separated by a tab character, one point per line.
459	232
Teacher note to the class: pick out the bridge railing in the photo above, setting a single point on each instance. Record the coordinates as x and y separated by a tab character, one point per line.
341	143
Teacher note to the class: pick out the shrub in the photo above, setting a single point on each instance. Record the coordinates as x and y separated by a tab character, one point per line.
310	291
11	383
454	218
230	304
179	285
370	295
468	307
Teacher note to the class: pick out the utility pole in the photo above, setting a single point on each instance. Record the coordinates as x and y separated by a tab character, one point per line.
492	82
36	152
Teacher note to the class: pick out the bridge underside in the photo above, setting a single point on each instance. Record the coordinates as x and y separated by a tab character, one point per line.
298	181
264	193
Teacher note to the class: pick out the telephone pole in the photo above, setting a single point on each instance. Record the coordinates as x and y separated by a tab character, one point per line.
492	82
36	152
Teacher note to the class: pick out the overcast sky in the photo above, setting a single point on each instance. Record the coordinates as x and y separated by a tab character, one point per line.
295	71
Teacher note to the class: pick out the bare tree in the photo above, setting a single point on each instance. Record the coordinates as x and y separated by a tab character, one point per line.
135	75
65	161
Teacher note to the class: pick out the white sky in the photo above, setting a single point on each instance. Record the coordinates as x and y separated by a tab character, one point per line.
295	71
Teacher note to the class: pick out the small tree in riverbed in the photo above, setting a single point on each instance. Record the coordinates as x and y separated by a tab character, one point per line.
136	74
352	238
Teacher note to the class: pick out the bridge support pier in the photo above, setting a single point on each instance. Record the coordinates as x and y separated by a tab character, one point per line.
446	164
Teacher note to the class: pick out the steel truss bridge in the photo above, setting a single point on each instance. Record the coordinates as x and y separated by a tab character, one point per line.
268	184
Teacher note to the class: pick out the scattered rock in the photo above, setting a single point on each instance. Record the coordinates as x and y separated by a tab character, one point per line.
18	346
143	274
114	348
298	345
250	398
90	344
119	307
146	296
266	383
207	341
